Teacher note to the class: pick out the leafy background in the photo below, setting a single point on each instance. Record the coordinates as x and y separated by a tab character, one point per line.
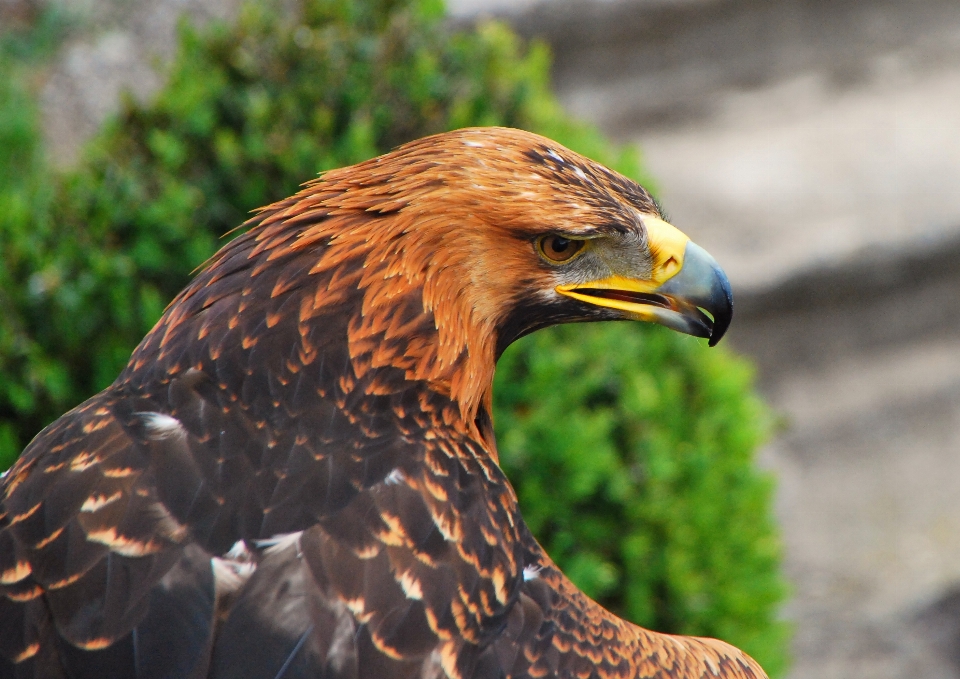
631	447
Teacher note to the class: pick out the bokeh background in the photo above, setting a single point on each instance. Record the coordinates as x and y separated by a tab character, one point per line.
814	148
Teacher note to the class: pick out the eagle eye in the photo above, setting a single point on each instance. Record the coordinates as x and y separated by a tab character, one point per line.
557	249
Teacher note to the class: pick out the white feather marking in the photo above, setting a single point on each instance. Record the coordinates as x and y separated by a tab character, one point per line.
228	576
432	667
342	644
96	502
475	144
580	173
395	477
232	570
161	426
356	606
280	542
531	573
411	586
239	552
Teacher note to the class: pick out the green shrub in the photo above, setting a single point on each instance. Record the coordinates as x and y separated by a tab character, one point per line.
631	448
34	384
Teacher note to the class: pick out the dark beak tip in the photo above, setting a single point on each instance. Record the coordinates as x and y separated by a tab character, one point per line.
721	321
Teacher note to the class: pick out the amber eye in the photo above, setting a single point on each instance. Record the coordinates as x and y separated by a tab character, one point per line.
558	249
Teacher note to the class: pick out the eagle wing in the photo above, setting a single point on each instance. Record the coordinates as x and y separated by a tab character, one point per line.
113	541
557	631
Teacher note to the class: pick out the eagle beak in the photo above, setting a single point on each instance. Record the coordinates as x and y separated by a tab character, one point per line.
687	290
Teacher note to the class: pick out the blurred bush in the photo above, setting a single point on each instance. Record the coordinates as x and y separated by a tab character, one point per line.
631	448
34	383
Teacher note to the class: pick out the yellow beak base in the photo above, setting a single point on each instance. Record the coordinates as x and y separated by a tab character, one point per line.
694	297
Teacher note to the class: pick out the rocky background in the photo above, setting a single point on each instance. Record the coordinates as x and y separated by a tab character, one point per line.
813	146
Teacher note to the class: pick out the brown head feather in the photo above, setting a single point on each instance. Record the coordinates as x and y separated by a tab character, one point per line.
448	221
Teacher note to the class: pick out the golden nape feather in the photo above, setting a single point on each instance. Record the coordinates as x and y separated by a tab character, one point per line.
296	473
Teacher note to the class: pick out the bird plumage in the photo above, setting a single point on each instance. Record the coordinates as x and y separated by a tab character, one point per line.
296	473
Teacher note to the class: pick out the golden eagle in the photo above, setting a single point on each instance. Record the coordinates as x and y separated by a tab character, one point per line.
296	474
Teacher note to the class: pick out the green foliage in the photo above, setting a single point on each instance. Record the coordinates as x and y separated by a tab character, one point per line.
631	448
31	379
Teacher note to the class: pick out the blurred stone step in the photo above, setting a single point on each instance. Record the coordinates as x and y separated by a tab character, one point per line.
803	174
885	299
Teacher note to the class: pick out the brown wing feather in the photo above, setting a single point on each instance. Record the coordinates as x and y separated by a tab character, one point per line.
557	631
89	548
